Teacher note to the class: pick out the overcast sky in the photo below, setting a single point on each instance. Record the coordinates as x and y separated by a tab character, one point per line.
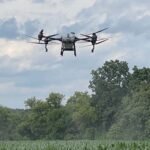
27	71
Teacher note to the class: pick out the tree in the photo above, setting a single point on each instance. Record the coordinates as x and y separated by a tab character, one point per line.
34	125
46	119
30	103
82	113
134	116
109	85
54	100
9	120
139	77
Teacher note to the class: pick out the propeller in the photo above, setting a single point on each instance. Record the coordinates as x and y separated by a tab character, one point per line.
98	40
88	35
95	43
43	36
72	32
35	43
101	41
51	35
31	37
43	43
85	46
98	31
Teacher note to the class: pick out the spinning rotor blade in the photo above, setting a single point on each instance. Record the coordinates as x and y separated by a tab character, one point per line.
31	37
72	32
85	46
36	43
96	43
101	41
43	36
96	32
101	30
86	35
51	35
85	41
98	40
42	43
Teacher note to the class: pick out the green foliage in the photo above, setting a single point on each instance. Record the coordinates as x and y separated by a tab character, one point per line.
46	119
83	114
74	145
109	85
139	77
119	108
54	100
134	118
9	120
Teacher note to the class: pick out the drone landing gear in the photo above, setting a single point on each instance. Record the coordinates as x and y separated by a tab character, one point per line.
93	49
46	50
75	54
61	53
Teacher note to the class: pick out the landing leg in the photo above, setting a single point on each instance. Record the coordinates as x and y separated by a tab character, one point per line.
93	49
75	54
46	50
61	52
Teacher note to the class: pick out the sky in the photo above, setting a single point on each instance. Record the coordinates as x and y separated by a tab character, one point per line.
26	70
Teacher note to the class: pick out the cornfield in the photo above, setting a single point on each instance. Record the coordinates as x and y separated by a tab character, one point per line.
73	145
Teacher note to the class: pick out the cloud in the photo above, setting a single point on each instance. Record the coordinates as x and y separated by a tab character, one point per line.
3	1
120	16
38	1
31	26
11	29
8	28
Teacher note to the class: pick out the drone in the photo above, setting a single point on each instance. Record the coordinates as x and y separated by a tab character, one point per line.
68	43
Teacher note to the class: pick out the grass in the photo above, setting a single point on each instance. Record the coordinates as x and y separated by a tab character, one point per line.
74	145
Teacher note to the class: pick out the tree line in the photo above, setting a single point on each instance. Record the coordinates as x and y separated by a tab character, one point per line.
118	108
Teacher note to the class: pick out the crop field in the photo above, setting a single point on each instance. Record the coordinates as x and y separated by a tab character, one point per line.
74	145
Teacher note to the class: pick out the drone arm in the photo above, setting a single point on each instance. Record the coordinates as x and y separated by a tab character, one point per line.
86	35
55	39
81	39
